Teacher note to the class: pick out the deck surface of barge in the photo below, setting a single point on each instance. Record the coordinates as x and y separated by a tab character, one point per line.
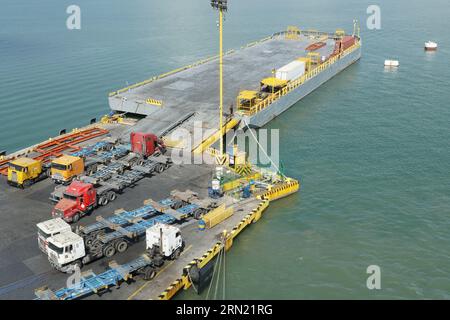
196	89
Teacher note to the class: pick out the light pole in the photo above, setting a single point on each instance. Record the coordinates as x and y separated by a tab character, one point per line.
221	6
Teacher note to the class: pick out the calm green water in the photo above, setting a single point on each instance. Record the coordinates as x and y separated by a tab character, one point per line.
371	147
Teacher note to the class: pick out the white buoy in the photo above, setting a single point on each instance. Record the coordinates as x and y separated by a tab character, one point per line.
391	63
431	46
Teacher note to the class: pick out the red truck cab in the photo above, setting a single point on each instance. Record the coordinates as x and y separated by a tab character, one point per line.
78	199
146	144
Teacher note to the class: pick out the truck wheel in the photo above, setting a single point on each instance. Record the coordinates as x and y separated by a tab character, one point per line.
109	251
112	196
27	183
89	240
76	217
149	273
176	254
121	246
103	201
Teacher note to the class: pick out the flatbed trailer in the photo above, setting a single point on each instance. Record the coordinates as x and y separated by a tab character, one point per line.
114	178
92	283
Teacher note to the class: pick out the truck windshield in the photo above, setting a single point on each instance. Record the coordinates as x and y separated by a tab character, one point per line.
15	167
70	196
52	247
58	166
43	234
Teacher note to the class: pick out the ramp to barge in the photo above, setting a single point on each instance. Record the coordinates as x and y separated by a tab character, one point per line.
195	89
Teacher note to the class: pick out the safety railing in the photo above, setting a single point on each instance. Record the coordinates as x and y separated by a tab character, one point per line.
298	82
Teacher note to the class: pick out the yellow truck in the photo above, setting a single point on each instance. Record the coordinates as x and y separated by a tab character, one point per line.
66	167
23	172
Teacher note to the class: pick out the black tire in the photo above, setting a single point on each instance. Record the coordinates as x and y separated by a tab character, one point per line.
198	214
177	205
103	200
89	240
176	254
159	168
109	251
121	246
111	196
149	273
75	218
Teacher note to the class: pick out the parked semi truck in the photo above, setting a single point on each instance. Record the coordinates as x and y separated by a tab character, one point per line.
86	161
83	196
24	172
163	242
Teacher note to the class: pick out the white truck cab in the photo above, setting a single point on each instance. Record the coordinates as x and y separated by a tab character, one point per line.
165	239
65	250
49	229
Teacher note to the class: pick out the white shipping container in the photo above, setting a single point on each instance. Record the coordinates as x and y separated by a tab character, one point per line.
291	71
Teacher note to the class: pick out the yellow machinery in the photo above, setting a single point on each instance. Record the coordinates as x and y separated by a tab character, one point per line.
24	172
272	84
292	33
314	57
65	168
247	99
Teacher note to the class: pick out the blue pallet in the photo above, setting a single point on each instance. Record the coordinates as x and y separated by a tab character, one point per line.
138	229
122	218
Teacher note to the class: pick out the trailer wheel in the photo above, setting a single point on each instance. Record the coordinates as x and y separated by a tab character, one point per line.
109	251
27	183
177	205
159	168
149	273
198	214
112	196
121	246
